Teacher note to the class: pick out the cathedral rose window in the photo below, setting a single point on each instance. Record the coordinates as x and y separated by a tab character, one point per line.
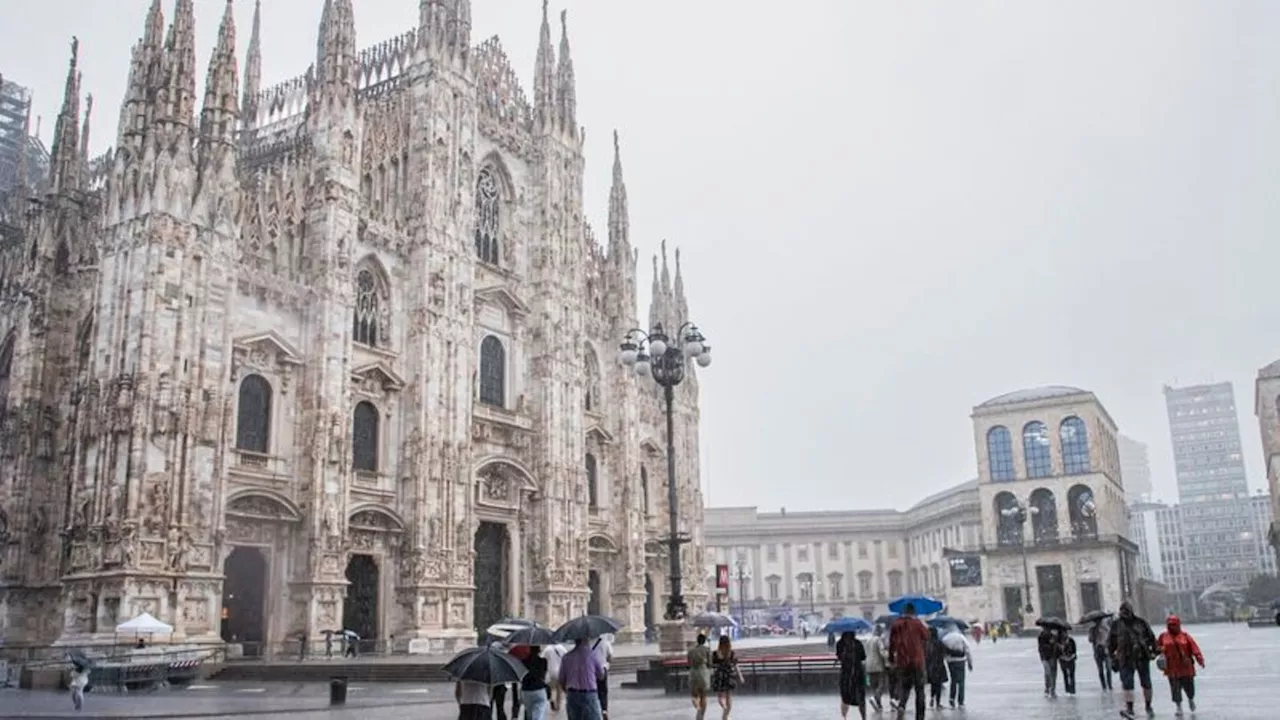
487	207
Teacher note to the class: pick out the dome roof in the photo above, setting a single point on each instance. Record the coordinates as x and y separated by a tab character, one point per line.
1046	392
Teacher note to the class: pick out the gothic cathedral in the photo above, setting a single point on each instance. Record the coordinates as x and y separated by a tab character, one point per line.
337	353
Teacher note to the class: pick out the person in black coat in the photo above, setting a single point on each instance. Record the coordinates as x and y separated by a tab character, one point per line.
853	674
935	667
1067	661
1049	650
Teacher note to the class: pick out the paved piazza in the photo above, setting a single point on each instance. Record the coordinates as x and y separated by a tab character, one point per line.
1243	670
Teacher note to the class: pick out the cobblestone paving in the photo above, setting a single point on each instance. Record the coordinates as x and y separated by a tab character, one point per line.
1244	669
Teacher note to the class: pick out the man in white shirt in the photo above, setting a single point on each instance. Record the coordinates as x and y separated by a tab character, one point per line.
602	648
553	654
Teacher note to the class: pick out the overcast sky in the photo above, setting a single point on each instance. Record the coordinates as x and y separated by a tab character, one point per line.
889	211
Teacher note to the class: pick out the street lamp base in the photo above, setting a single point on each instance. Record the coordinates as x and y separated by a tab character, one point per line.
674	637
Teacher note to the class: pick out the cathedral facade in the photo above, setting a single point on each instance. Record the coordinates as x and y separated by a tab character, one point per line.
337	353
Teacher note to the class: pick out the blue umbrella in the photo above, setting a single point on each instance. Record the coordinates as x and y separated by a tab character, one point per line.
847	624
924	604
942	622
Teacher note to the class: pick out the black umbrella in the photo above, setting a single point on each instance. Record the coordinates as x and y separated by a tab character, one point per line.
587	626
1095	616
79	659
887	620
1053	622
485	665
531	635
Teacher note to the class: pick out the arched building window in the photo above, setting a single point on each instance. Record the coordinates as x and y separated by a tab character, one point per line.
1009	525
591	388
253	415
6	369
1083	512
493	372
593	489
1035	448
367	318
1044	516
644	490
364	437
1075	446
488	207
1000	454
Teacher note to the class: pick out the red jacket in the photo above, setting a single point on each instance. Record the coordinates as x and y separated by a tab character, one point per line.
1181	654
908	638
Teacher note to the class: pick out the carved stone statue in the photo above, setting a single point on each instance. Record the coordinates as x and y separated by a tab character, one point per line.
336	439
179	544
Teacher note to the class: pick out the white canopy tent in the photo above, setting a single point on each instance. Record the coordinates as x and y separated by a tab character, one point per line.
145	624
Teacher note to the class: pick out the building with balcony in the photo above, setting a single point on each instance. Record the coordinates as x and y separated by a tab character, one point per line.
1055	533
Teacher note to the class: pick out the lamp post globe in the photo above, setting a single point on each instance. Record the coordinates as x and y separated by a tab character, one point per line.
664	358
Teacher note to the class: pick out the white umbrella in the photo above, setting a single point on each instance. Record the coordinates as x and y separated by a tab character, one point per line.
955	641
145	623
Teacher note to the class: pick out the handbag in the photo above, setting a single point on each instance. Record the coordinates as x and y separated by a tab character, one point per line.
1162	663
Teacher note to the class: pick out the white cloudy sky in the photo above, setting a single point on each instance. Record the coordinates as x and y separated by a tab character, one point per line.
889	211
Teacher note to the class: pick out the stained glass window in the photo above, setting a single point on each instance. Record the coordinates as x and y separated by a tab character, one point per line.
493	372
253	415
365	322
1000	453
364	437
1075	446
1035	446
488	204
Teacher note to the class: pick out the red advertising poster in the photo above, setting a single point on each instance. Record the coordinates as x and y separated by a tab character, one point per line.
722	577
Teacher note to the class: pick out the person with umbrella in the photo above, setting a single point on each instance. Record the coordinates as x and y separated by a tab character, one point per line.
1050	650
908	640
877	668
80	667
959	660
1098	633
476	670
580	674
853	675
1067	661
1132	645
700	675
725	674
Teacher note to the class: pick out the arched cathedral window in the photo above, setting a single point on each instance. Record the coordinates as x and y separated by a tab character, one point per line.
364	437
593	487
488	203
6	368
368	314
493	372
253	415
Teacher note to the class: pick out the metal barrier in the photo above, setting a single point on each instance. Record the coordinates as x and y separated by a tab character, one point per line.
767	673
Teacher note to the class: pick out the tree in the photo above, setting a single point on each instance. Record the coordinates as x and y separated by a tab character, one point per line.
1263	589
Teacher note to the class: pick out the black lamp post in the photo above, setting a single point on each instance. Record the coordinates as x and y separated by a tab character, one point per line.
655	355
1019	513
744	574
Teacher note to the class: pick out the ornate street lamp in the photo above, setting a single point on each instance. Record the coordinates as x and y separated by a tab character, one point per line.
1020	513
744	575
663	358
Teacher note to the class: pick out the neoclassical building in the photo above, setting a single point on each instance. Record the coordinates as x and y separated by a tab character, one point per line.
839	562
336	352
1045	521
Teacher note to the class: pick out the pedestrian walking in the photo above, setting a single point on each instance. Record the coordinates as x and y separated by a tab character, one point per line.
1067	661
473	700
1180	655
959	664
876	668
853	674
935	665
700	676
908	640
725	675
1048	646
533	686
1132	645
79	681
580	673
1101	656
603	650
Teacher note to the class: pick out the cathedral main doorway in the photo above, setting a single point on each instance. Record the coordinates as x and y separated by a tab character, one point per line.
360	611
593	600
244	594
489	604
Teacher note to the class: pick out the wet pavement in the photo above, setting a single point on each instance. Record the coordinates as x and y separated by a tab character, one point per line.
1243	668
